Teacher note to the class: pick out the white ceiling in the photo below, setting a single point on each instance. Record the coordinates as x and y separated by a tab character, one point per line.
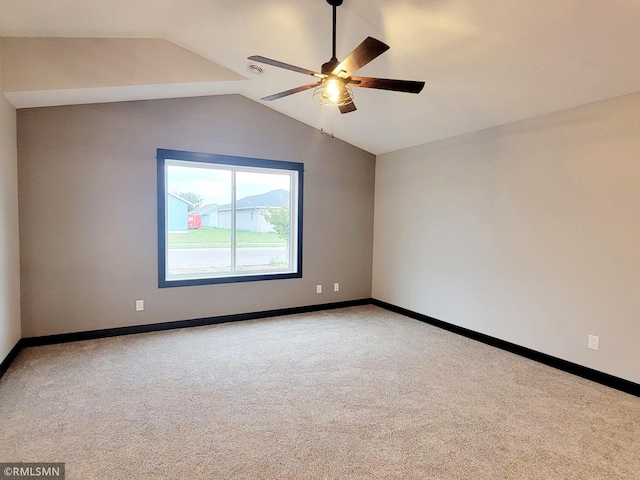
485	63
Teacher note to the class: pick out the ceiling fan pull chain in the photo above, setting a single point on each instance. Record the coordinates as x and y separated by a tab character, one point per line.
322	129
332	112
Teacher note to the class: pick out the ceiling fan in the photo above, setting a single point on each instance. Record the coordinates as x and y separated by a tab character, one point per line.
336	78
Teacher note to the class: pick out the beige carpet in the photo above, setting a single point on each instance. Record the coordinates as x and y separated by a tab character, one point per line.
358	393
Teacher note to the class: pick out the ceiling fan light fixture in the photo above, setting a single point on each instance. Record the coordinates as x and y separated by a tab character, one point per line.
331	91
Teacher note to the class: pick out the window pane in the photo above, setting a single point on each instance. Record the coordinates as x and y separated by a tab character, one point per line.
263	233
227	219
199	236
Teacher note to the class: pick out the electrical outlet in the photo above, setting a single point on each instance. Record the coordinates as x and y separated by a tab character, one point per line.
318	288
336	287
139	305
594	342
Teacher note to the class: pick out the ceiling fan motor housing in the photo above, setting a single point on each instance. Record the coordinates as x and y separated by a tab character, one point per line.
328	67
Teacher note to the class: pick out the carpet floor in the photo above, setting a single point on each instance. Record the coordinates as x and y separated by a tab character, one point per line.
356	393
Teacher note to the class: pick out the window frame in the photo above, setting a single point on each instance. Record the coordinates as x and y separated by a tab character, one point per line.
164	155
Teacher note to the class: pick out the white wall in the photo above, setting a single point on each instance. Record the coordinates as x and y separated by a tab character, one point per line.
528	232
9	253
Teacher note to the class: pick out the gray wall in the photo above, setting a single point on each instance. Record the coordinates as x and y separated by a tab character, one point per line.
87	198
9	251
528	232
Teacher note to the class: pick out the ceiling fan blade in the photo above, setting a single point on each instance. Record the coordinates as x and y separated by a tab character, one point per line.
349	107
369	49
276	96
286	66
408	86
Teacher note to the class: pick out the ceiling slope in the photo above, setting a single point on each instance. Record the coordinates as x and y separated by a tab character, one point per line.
484	63
53	71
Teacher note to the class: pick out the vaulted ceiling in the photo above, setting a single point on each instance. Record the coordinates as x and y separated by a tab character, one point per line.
484	63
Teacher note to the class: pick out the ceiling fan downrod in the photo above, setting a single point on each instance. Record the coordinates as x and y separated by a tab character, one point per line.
335	4
328	67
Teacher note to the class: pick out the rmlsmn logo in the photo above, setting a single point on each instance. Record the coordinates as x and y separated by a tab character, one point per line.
29	471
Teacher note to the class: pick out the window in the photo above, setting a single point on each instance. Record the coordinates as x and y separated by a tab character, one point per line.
227	219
